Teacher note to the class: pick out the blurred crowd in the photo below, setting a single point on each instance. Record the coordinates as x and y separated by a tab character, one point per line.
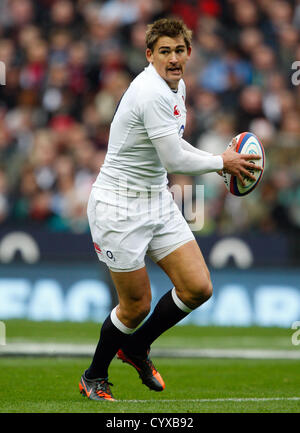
68	63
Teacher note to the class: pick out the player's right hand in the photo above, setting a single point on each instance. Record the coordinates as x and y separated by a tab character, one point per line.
237	164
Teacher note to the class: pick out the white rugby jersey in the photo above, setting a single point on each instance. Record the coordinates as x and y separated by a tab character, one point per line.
149	109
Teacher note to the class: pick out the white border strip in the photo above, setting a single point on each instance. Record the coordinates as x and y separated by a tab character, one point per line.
179	302
118	324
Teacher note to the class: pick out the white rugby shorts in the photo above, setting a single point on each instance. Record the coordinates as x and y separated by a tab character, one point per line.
125	227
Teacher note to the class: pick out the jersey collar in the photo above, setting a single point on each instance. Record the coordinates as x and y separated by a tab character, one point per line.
151	69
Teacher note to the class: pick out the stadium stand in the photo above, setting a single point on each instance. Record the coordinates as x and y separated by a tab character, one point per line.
67	65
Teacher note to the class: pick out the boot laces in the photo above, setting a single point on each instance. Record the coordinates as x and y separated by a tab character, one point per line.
103	386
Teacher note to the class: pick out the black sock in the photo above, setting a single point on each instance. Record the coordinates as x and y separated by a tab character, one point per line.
165	315
111	339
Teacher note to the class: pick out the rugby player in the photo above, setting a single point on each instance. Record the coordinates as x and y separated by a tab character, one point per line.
131	212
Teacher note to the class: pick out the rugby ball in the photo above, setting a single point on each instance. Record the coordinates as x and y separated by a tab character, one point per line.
249	144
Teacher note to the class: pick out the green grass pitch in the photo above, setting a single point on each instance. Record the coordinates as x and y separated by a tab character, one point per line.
49	385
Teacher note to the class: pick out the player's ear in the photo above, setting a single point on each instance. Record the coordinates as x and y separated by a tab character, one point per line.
189	51
149	55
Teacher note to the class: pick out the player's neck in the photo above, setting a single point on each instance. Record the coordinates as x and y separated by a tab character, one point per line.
172	84
173	87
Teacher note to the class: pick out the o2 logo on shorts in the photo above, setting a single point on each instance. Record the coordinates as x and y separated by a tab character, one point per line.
110	255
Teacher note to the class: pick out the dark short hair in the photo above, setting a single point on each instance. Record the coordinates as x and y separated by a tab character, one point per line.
171	27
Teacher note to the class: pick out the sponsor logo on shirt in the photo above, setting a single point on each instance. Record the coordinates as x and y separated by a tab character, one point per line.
177	111
181	130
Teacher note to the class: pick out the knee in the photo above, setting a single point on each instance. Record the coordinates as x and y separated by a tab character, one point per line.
133	313
197	292
202	292
140	311
206	290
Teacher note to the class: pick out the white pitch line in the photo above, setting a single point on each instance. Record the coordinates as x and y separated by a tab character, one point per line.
215	400
62	349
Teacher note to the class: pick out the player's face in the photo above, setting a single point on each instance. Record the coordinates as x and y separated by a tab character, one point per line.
169	58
